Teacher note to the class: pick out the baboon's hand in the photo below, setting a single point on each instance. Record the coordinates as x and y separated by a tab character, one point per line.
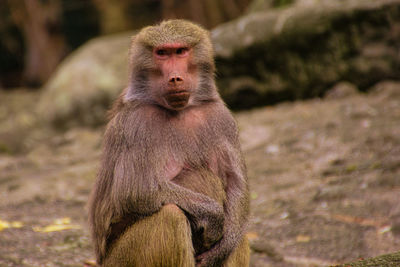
207	259
211	224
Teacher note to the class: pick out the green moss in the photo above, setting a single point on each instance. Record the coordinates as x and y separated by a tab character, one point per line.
389	260
351	168
281	3
4	149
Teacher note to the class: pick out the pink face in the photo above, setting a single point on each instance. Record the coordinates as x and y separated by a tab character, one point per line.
176	78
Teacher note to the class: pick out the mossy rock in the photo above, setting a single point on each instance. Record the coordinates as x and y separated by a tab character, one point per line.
388	260
85	84
301	51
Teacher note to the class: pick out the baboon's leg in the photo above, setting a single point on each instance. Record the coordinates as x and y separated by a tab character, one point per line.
240	257
160	240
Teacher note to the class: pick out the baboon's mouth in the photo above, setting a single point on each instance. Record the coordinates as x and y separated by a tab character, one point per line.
177	99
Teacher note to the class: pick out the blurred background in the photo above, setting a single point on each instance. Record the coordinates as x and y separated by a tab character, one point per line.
37	35
314	85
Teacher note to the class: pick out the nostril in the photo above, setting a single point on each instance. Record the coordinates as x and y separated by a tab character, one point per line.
176	79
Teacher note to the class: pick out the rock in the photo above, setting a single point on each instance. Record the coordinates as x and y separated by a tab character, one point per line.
262	246
85	84
341	90
332	192
302	50
386	89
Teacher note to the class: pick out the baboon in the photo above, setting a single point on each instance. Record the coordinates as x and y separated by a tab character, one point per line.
172	187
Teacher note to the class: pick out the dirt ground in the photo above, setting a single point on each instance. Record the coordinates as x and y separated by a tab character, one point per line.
324	178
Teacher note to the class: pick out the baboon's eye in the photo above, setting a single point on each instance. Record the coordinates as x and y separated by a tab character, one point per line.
161	52
182	51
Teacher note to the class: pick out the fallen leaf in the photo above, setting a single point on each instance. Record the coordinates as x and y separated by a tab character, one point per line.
252	235
4	225
253	195
384	229
65	220
303	238
89	263
55	228
14	224
358	220
58	225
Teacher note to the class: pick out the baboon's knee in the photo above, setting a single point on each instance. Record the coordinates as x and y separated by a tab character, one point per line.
172	210
163	239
